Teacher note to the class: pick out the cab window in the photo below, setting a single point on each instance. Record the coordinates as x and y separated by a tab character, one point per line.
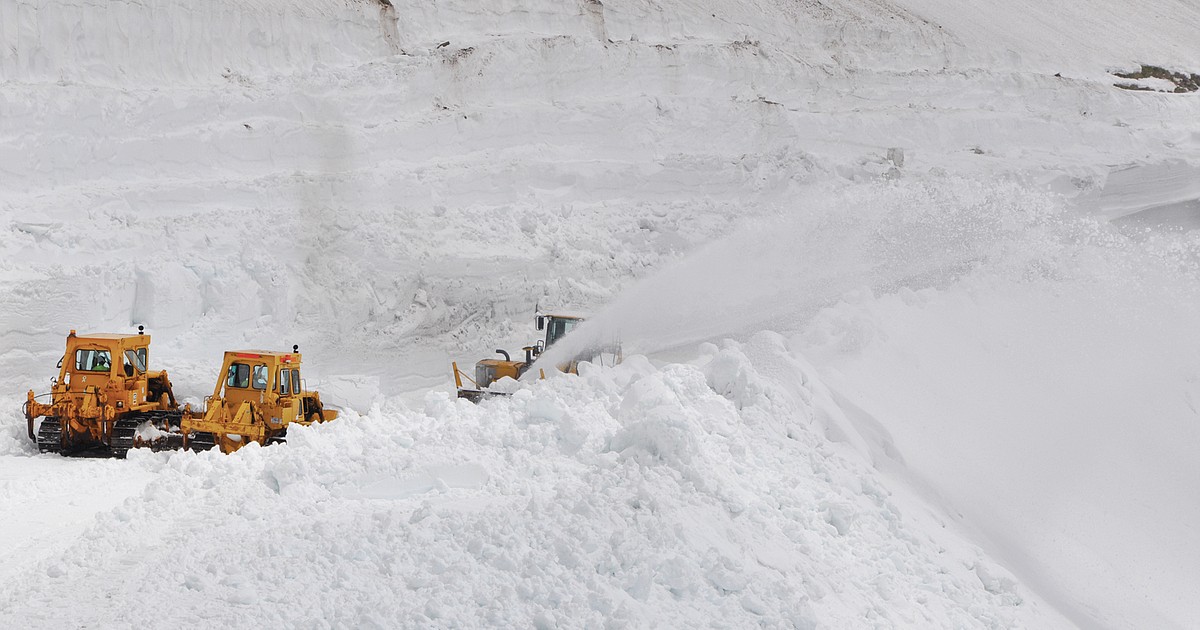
295	381
260	377
135	360
559	328
285	382
89	360
239	375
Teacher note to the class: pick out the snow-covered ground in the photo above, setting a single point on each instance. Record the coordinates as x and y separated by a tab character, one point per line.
890	363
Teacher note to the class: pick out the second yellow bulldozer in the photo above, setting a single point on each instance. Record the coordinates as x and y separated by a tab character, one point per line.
258	394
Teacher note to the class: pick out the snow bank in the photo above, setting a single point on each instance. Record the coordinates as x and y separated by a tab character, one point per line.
687	495
122	42
1075	37
1146	188
1051	398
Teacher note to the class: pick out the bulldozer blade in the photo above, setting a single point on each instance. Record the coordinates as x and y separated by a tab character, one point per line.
477	395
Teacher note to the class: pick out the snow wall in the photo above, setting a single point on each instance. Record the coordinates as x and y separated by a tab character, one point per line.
170	41
529	161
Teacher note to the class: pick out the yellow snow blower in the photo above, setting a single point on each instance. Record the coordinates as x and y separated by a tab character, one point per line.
488	371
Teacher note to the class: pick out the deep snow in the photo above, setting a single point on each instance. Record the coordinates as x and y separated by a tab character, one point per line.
681	496
977	412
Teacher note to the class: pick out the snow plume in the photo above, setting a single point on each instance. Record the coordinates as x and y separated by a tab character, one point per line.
779	271
691	495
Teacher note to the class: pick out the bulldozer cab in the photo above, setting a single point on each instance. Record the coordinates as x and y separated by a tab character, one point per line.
559	326
95	360
257	377
556	327
258	394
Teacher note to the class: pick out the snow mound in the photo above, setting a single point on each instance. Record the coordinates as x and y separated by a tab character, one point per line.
1050	396
692	495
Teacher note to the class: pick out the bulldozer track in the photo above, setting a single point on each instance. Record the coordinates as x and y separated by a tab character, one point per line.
122	439
124	431
49	436
123	434
201	441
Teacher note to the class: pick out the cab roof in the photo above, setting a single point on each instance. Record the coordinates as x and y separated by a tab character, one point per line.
565	315
111	336
261	354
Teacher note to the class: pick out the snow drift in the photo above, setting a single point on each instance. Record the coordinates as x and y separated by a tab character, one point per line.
1054	403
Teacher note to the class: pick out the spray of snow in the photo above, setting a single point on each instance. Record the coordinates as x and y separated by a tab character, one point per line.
777	272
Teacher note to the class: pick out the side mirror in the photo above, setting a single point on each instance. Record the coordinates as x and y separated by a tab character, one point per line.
541	322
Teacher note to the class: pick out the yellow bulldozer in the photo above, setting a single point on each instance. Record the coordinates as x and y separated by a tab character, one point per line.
105	400
258	394
556	326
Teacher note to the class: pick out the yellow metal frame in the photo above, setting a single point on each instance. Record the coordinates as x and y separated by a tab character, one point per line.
239	415
89	402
